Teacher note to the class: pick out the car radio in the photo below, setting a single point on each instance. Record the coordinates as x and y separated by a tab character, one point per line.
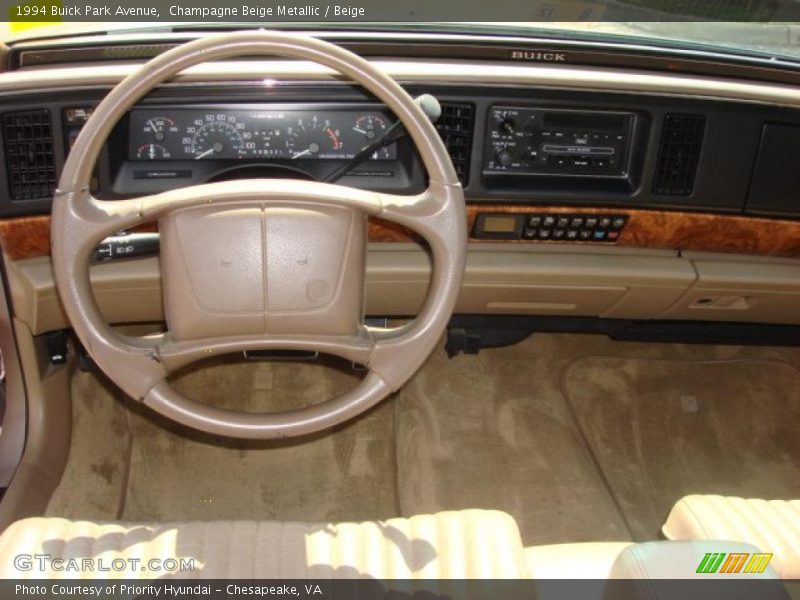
559	142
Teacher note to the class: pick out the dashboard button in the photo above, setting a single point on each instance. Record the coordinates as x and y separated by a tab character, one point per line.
504	158
507	126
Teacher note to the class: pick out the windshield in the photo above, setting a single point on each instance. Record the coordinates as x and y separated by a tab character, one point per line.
779	40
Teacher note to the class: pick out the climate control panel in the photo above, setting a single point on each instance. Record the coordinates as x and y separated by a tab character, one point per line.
559	142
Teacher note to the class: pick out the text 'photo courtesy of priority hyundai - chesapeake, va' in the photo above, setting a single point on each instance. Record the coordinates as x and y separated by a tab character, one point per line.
418	299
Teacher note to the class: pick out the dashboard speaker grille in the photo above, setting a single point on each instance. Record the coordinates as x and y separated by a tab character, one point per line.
455	128
678	155
28	138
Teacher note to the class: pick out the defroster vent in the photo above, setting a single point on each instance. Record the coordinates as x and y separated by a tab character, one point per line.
455	128
681	140
28	138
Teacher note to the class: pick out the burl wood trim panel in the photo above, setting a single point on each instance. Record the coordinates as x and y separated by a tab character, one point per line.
28	237
652	229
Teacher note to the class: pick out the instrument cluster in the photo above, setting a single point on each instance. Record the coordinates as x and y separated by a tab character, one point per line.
269	133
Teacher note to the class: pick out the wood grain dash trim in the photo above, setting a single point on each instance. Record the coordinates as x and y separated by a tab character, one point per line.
29	237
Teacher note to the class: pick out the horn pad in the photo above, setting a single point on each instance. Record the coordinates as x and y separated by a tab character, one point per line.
293	269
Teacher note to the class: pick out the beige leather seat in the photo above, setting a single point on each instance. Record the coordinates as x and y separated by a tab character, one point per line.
772	525
465	544
587	560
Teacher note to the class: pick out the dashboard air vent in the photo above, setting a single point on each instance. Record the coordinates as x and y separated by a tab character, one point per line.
28	138
681	140
455	128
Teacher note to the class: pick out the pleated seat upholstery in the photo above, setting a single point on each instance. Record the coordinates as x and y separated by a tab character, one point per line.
447	545
771	525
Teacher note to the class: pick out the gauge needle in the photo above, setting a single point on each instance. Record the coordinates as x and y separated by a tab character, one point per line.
303	153
204	154
152	125
356	129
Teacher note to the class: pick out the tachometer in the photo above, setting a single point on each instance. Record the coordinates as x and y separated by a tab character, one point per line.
217	139
313	138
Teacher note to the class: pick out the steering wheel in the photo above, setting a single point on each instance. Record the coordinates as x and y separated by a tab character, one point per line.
259	263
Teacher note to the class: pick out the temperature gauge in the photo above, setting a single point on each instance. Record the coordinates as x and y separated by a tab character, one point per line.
157	128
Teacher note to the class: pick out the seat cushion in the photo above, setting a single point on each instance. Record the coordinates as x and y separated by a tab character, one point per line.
681	559
588	560
464	544
772	525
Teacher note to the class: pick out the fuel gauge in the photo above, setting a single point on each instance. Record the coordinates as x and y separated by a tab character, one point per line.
370	126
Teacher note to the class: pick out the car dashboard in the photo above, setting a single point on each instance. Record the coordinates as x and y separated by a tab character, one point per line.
637	187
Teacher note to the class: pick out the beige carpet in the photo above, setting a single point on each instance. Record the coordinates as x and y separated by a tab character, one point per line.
493	430
663	428
159	471
94	481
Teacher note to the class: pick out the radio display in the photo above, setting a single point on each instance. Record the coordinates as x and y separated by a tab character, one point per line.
558	142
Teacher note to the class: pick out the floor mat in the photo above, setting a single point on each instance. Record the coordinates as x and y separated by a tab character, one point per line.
663	428
494	431
347	474
94	480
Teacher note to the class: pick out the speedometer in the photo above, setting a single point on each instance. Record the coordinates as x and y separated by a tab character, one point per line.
217	140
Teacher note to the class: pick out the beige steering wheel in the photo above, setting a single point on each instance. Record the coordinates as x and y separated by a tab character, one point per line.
259	263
